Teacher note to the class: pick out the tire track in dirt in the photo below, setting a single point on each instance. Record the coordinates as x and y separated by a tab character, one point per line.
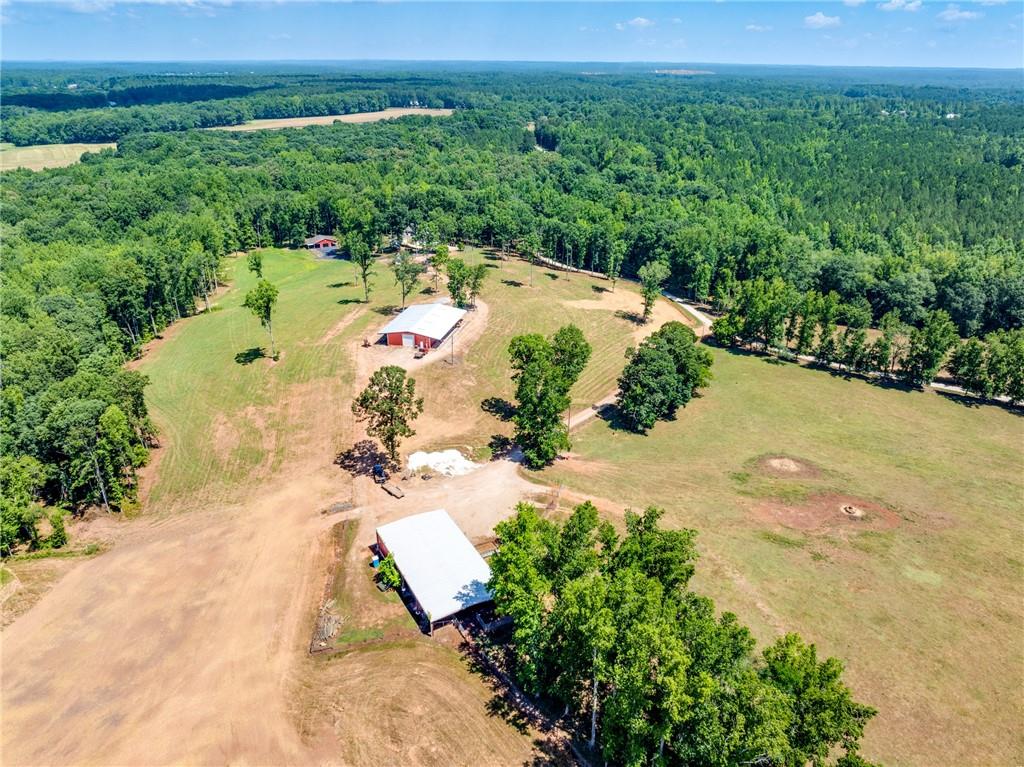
179	644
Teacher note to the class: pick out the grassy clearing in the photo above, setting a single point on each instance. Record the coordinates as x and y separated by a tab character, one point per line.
483	371
927	614
228	414
45	155
354	117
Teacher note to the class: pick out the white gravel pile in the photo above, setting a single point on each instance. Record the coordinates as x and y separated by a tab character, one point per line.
448	462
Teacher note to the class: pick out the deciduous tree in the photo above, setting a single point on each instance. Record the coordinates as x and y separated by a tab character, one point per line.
362	258
261	301
255	263
407	272
389	405
652	275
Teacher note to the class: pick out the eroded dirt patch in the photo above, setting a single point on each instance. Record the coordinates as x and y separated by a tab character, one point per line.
787	467
828	512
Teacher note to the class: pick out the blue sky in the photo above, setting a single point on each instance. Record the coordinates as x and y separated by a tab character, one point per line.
925	33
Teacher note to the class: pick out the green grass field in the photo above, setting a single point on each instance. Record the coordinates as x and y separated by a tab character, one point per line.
206	382
926	611
45	155
928	614
556	299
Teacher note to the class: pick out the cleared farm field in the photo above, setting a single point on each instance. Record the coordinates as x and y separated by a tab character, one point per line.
356	117
885	525
464	400
46	155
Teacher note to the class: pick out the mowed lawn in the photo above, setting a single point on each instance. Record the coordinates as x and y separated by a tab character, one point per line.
229	417
456	393
926	610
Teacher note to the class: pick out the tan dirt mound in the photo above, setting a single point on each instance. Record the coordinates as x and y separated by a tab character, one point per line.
828	512
787	467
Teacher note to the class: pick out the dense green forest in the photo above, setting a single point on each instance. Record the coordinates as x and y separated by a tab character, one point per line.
608	626
871	195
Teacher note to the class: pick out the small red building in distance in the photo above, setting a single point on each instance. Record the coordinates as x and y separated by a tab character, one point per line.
320	242
423	326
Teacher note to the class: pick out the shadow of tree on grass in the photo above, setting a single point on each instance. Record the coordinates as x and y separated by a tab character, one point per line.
360	459
498	407
635	317
250	355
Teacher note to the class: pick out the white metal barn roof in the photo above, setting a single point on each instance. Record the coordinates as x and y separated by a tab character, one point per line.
439	564
431	320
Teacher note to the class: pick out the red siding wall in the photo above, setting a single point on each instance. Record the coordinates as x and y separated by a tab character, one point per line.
395	339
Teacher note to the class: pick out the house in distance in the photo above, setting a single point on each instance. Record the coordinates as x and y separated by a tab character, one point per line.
423	326
323	242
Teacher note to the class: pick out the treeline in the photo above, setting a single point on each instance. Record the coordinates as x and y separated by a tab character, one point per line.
126	96
608	627
707	188
75	422
91	126
770	315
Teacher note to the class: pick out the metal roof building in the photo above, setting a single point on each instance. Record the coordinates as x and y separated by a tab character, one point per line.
440	566
422	325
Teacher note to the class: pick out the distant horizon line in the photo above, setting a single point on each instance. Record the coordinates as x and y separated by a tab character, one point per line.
558	62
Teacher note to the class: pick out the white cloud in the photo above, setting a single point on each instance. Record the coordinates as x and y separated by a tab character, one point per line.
953	13
758	28
854	3
637	23
820	21
677	20
901	5
992	2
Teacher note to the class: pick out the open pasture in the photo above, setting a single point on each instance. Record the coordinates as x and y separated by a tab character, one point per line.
355	117
252	415
46	155
470	399
882	524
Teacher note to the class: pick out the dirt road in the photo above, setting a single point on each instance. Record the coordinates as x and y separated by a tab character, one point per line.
182	643
173	647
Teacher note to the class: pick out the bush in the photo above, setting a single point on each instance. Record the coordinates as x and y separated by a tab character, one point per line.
388	572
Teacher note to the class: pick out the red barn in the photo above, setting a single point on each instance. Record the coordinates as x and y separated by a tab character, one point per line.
423	326
320	242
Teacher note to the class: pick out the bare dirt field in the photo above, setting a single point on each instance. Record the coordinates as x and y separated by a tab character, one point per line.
187	640
356	117
46	155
